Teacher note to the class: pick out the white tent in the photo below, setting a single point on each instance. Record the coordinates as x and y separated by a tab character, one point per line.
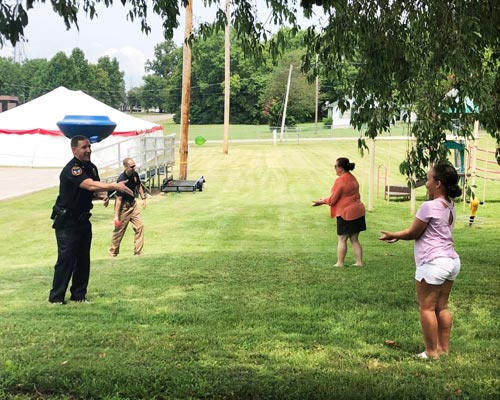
29	135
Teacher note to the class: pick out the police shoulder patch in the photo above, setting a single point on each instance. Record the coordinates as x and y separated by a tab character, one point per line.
76	170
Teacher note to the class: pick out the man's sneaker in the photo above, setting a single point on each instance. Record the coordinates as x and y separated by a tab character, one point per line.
57	302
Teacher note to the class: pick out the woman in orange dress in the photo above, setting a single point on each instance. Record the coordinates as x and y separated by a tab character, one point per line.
346	206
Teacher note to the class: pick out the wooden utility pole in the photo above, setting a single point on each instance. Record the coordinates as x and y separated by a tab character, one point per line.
316	97
227	79
473	153
286	102
371	176
186	91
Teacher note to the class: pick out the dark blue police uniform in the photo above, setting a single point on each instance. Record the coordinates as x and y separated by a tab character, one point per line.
134	183
71	215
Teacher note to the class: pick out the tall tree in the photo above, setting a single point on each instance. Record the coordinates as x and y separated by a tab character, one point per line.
61	72
81	68
167	59
153	92
10	77
301	100
34	78
134	99
98	84
112	91
166	65
428	56
248	82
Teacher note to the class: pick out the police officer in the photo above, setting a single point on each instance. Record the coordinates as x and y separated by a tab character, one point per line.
79	184
126	210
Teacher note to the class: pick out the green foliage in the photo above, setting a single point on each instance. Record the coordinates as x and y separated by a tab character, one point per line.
134	97
273	110
62	71
167	59
362	146
10	73
153	92
410	54
301	98
112	88
207	80
327	121
162	87
33	78
489	115
254	85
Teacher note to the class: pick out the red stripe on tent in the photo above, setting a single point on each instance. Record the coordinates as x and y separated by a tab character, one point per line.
59	133
31	132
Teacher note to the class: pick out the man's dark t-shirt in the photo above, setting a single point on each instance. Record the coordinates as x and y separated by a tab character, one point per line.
134	182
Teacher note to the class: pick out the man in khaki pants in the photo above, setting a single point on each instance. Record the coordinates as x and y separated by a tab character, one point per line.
126	210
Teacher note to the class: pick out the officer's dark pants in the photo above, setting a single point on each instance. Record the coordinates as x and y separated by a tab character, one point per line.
73	259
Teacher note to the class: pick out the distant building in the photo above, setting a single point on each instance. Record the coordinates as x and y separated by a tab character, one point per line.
407	115
338	117
8	102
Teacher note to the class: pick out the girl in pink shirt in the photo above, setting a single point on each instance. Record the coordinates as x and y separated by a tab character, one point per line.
437	263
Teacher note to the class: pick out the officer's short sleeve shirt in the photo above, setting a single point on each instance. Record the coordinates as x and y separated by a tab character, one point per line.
71	196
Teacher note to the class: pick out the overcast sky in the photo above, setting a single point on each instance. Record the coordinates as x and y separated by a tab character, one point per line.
109	34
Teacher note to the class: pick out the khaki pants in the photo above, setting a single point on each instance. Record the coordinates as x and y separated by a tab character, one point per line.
128	214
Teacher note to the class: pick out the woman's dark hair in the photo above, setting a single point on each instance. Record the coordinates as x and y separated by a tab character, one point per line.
344	163
446	173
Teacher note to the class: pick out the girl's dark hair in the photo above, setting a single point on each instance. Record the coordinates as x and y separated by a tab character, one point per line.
446	173
344	163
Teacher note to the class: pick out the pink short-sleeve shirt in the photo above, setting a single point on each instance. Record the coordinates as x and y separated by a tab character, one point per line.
437	239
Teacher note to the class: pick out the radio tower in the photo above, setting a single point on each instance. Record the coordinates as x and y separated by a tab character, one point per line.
18	53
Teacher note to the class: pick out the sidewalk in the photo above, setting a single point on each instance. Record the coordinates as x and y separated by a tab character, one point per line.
15	181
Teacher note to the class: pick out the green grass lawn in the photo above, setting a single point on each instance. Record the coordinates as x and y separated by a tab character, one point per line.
236	296
242	132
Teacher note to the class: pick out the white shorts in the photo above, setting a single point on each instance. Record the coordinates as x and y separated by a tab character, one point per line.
437	271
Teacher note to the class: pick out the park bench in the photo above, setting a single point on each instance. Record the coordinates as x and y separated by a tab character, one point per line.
401	191
397	191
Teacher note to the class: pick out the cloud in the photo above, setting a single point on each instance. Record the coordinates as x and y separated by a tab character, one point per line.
132	60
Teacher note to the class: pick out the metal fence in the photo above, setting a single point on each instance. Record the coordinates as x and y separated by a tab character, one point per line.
153	155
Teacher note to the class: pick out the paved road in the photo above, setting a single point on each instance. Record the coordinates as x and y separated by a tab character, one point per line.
15	182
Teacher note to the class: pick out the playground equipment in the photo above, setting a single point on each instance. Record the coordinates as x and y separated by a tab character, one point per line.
458	147
474	204
486	167
401	191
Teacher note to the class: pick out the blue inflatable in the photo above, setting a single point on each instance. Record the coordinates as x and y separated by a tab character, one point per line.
94	127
